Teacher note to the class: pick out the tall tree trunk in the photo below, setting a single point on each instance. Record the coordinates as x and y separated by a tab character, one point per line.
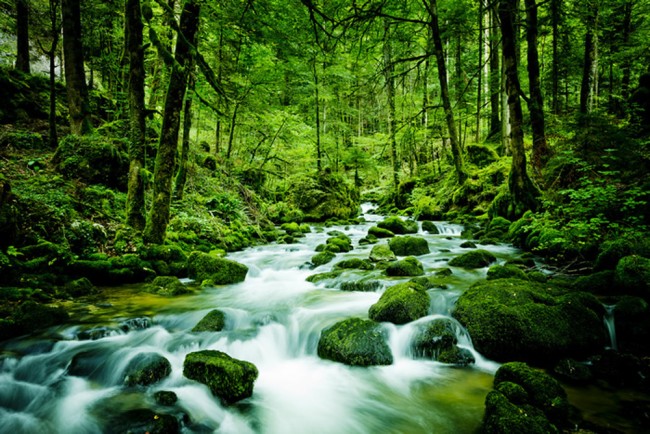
389	72
590	66
495	75
231	134
319	155
479	87
457	155
626	66
156	227
135	212
75	78
541	150
54	34
22	36
181	174
555	73
523	194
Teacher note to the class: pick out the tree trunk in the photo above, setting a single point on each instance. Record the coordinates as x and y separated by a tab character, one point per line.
479	87
181	175
75	78
626	66
555	74
590	66
319	155
444	90
390	93
523	194
231	134
541	151
135	212
22	36
156	227
495	75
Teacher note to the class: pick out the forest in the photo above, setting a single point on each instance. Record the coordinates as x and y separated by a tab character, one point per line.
343	216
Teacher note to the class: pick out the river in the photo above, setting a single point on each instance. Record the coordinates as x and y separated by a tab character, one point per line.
59	381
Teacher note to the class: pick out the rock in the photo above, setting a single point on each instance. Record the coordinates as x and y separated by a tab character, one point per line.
599	283
430	227
361	286
219	271
142	421
632	322
474	259
572	371
522	262
468	245
443	272
613	251
498	224
481	155
409	266
398	226
146	368
621	370
355	342
510	319
315	278
382	253
402	303
229	379
214	321
633	275
355	263
380	232
80	287
165	397
322	258
167	286
505	272
434	337
409	246
338	243
292	229
456	356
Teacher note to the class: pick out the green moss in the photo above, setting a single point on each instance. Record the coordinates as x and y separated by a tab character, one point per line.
498	224
380	232
355	342
315	278
339	243
474	259
165	398
219	271
430	227
409	266
355	263
168	286
505	272
537	276
632	275
612	251
214	321
409	246
361	285
481	155
456	356
145	369
434	337
402	303
80	287
600	283
503	417
398	226
30	316
229	379
322	258
326	196
292	228
382	253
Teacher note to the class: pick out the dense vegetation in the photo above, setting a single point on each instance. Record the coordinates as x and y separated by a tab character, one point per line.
158	135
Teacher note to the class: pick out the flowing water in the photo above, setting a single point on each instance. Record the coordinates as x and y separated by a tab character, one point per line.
71	379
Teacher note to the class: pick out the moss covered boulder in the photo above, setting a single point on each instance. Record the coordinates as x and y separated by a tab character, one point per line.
80	287
219	271
382	253
361	285
633	275
525	400
407	267
338	243
322	258
326	196
399	226
167	286
409	246
402	303
506	272
214	321
511	319
475	259
378	232
354	263
145	369
600	283
430	227
229	379
355	342
437	340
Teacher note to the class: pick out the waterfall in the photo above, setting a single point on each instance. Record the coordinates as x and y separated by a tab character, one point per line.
608	319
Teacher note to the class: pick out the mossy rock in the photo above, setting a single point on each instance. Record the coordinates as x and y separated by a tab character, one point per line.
165	398
380	232
522	262
434	337
145	369
599	283
382	253
506	272
398	226
402	303
503	417
229	379
315	278
140	421
614	250
30	316
338	243
511	319
430	227
572	371
355	342
326	196
474	259
409	246
168	286
355	263
456	356
214	321
322	258
468	245
292	229
80	287
498	225
409	266
481	155
44	256
219	271
361	286
632	275
537	276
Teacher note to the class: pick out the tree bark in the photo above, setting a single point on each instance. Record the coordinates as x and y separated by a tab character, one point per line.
495	75
523	194
555	73
541	150
135	212
590	66
22	36
319	156
181	174
54	33
389	72
444	90
75	77
626	66
156	227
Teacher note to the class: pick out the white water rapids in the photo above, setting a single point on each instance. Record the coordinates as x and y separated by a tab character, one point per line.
273	319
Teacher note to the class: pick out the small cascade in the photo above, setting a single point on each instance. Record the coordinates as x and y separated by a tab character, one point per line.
449	228
608	319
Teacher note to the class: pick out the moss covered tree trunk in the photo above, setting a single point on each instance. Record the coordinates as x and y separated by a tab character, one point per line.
135	212
181	175
523	194
390	94
22	36
156	227
495	75
457	155
75	77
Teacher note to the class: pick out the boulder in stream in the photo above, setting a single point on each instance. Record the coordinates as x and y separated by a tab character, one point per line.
219	271
229	379
382	253
409	266
402	303
633	275
437	340
354	263
505	272
512	319
145	369
398	226
474	259
322	258
214	321
355	342
409	246
167	286
378	232
430	227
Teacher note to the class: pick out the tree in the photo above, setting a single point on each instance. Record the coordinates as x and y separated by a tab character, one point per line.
389	76
181	174
55	29
75	77
156	227
590	65
135	212
22	36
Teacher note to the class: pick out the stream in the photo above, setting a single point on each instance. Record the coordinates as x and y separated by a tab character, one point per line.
273	319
